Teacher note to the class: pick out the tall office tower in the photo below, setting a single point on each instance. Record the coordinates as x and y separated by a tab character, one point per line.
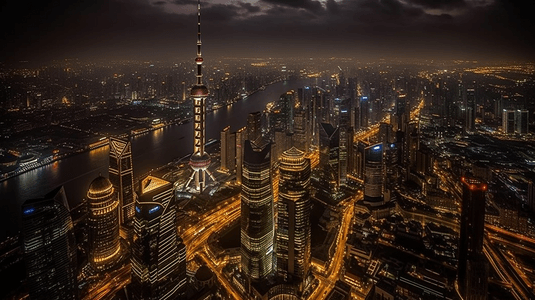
330	152
287	103
301	138
254	126
228	150
240	141
49	247
155	256
360	150
293	220
401	113
363	109
508	121
470	109
257	226
344	125
121	174
103	222
373	175
522	121
200	160
472	272
351	153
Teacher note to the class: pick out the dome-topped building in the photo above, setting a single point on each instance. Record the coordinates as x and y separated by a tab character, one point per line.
103	222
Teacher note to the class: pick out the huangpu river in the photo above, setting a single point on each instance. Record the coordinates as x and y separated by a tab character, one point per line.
149	151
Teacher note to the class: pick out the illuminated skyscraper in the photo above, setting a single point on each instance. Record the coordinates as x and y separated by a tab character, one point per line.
257	226
254	127
122	177
470	119
228	150
330	152
49	247
240	141
200	160
103	223
293	220
508	121
155	249
472	272
373	175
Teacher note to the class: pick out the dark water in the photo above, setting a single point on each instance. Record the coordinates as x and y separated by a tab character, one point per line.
150	151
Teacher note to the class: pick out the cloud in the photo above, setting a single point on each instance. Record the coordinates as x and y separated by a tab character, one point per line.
442	4
310	5
184	2
249	7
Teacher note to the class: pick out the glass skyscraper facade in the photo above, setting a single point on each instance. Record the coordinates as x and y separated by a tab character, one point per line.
103	223
293	218
155	253
49	247
122	176
257	226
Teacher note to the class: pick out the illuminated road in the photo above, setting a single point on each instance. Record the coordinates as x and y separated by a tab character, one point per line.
110	284
327	278
196	238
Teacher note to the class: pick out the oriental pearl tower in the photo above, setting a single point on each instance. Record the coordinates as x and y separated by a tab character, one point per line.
200	160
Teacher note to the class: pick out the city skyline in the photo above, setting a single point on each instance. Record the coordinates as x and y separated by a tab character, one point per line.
349	149
361	29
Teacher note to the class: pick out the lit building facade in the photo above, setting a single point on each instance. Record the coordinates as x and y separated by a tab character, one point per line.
373	175
254	126
240	141
228	150
121	175
155	252
49	247
103	223
293	219
472	272
257	226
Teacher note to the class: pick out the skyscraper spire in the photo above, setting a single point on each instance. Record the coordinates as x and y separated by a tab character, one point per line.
200	160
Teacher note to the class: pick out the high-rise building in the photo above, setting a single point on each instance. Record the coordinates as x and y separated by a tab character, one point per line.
301	137
122	177
329	152
228	150
240	141
103	223
344	127
363	110
470	112
472	272
254	126
257	226
287	103
522	121
293	219
49	247
508	121
200	160
373	175
155	247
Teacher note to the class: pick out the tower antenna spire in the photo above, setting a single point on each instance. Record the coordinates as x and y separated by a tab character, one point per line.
199	59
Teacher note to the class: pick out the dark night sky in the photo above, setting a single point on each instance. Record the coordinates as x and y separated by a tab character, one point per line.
365	29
